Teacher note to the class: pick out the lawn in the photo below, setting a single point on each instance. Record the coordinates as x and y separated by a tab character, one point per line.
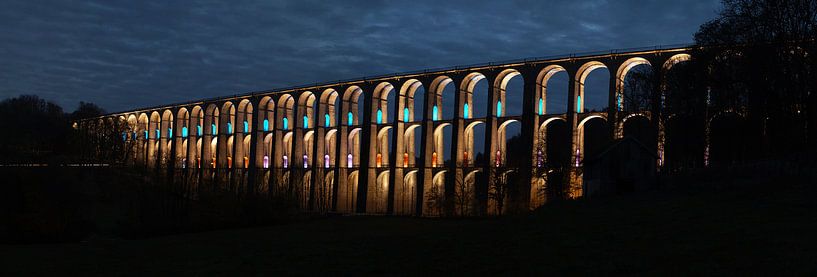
726	231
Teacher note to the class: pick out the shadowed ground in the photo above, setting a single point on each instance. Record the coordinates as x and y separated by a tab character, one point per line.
750	230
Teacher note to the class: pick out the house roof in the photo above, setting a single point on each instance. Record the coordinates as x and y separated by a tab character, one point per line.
617	144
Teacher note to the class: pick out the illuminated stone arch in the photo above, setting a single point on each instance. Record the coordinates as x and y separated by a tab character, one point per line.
328	106
406	194
499	149
308	158
380	103
286	151
181	137
166	139
304	131
196	128
143	138
349	140
580	137
437	157
411	150
621	75
665	68
329	144
380	126
581	76
265	130
347	192
467	88
153	137
435	99
434	195
285	121
226	136
382	136
210	139
675	59
541	147
499	106
133	138
465	194
468	153
354	147
541	89
329	99
243	133
377	195
407	123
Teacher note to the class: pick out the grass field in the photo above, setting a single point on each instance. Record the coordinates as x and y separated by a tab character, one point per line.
724	231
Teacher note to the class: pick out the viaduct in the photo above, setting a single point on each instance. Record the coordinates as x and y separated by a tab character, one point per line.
366	145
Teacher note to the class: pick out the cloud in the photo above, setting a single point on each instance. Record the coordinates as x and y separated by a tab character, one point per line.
128	54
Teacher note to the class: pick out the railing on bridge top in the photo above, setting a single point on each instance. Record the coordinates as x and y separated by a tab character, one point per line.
426	71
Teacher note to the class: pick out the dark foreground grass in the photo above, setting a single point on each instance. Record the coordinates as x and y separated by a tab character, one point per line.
727	231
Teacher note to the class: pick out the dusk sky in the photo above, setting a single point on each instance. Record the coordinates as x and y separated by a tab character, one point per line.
128	54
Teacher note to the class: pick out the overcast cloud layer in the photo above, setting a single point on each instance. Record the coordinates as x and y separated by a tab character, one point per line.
128	54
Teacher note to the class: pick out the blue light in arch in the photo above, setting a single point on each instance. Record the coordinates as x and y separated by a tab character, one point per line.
351	119
465	110
306	122
618	101
169	132
498	108
229	128
214	129
434	113
184	132
198	130
579	104
541	106
286	123
405	115
246	127
158	134
379	116
146	134
124	136
326	119
266	125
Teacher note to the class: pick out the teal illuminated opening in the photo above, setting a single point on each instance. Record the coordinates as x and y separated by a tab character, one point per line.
198	130
405	115
379	116
306	122
246	127
184	132
434	113
266	125
350	119
465	110
158	134
169	132
579	104
213	128
326	120
498	108
146	134
541	106
286	123
229	128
